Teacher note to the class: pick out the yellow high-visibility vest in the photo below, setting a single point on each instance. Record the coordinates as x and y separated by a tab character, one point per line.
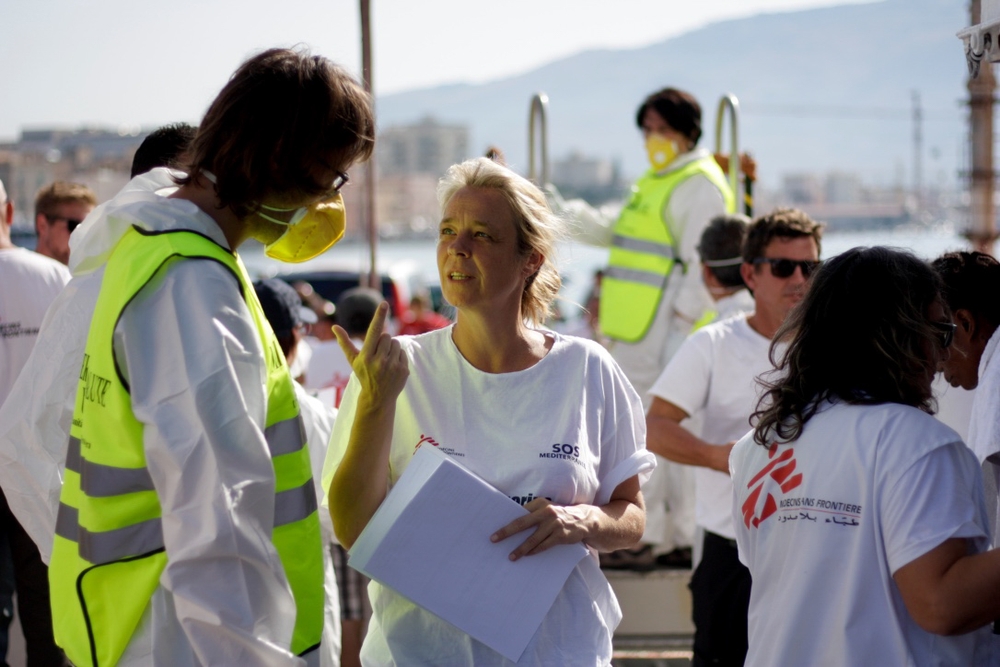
643	251
109	552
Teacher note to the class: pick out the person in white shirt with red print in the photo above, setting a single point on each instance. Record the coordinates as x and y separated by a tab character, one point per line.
495	392
860	516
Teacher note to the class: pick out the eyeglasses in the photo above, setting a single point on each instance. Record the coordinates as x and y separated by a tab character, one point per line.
947	332
339	181
784	268
71	223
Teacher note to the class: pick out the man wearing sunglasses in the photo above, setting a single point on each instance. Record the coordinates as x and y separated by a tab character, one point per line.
60	207
714	375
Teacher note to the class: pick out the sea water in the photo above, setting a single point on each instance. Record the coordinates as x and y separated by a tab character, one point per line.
577	262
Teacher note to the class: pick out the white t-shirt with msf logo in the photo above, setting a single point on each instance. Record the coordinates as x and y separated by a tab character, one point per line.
570	428
823	524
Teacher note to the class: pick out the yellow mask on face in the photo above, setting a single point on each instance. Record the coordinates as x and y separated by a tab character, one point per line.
310	232
661	151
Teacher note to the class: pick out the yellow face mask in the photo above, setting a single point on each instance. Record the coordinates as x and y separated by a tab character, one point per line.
661	151
309	233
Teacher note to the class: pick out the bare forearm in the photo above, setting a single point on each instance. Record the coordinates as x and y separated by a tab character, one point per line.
360	482
948	591
617	525
669	439
969	594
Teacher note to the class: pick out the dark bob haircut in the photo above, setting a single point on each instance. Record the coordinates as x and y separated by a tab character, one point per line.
284	115
861	335
680	109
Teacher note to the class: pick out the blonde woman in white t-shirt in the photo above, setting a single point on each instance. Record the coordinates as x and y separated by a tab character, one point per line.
495	392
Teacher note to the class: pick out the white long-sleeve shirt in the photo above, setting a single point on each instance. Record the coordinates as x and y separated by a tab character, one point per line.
198	381
693	203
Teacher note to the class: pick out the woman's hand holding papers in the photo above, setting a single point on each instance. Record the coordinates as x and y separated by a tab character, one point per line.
603	527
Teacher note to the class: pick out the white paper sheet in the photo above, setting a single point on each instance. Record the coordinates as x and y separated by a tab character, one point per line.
430	542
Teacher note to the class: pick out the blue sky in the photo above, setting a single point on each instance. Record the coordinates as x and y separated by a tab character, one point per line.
113	63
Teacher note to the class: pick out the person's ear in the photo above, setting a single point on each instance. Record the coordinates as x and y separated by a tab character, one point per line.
40	224
965	321
534	263
749	274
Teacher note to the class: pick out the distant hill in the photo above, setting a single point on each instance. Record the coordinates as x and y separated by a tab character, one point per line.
821	89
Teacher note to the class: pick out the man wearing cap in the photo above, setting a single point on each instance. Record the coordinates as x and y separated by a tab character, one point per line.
60	207
29	282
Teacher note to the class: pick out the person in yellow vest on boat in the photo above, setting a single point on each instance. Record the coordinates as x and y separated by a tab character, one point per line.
652	292
186	530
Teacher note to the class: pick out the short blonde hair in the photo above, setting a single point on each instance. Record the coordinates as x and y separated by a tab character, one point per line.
62	192
538	228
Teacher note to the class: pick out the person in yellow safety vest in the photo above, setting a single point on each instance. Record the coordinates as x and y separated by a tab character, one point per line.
186	530
652	292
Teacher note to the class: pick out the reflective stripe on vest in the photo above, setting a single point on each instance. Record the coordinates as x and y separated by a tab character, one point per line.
643	250
108	552
649	247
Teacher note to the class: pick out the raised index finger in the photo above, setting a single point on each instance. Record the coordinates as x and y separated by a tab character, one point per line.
376	327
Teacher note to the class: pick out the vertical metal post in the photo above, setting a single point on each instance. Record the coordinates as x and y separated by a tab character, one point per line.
732	105
369	198
982	209
918	156
538	114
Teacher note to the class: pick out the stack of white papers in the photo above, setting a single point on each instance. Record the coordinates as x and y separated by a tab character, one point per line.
430	542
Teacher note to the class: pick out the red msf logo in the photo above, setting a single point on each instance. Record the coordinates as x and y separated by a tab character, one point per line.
779	472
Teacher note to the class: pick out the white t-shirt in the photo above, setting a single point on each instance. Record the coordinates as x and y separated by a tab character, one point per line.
328	371
28	284
570	428
714	374
824	523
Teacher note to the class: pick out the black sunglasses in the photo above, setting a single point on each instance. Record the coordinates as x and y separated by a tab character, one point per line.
71	223
784	268
947	332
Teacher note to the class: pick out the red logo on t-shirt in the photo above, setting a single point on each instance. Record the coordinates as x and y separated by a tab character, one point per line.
780	472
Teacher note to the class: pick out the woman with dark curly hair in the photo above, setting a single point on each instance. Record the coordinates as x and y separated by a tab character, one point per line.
860	516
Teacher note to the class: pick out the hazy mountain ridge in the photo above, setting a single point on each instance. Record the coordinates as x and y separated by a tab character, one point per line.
859	57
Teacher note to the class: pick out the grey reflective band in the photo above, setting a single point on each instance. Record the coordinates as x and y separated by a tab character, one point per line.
636	276
102	481
649	247
285	437
295	504
73	458
110	545
67	521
